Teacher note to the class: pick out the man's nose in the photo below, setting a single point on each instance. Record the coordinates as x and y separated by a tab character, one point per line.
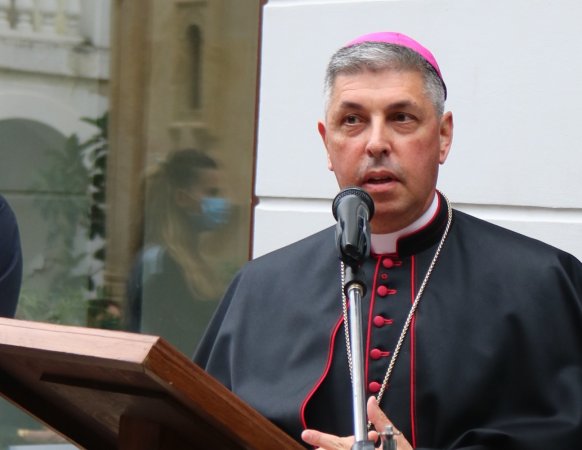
378	139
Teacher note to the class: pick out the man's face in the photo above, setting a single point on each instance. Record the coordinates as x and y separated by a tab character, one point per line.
382	134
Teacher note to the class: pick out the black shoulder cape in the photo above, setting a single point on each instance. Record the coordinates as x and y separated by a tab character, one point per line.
493	358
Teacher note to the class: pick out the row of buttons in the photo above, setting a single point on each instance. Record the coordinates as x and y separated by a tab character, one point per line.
382	290
380	321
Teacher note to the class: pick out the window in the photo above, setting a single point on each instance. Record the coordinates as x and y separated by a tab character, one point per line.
128	160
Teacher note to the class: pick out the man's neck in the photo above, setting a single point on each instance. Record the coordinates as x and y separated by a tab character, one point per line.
387	243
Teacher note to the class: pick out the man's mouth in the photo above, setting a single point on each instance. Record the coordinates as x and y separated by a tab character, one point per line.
379	180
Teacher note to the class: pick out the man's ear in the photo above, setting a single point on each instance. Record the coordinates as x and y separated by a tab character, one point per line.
323	133
446	136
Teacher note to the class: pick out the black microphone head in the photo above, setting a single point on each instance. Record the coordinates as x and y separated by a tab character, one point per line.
353	208
359	192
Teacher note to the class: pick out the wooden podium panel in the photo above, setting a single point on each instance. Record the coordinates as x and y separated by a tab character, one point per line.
105	389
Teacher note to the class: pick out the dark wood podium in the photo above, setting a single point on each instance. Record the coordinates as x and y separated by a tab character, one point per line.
105	389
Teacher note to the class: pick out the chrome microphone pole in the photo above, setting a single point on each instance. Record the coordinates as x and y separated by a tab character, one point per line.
355	290
353	208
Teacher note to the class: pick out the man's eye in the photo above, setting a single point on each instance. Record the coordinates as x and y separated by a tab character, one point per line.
351	120
402	117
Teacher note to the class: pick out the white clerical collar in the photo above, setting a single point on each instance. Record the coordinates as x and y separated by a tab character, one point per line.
386	243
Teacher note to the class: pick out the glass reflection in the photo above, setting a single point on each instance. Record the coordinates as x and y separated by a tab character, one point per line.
170	75
174	286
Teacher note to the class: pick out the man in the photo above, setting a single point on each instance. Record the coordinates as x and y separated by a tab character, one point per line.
492	355
10	260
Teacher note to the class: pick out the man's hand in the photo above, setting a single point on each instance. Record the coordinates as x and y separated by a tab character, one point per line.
325	441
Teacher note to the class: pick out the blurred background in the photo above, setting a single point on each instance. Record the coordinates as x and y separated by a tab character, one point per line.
127	135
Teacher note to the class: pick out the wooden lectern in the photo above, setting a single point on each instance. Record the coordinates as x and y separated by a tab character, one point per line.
104	389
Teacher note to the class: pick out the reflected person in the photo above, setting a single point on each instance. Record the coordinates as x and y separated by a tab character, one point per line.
173	288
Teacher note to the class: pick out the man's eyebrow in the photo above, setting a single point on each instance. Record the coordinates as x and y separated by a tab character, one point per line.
403	104
350	105
400	105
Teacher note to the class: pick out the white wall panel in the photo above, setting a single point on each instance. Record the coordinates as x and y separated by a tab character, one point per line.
281	222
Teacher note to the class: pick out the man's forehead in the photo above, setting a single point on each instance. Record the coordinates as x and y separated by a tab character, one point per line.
386	90
377	79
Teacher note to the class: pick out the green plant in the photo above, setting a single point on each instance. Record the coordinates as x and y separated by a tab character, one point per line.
75	213
65	306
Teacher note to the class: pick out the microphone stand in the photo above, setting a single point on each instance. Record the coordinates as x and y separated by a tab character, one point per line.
353	208
355	290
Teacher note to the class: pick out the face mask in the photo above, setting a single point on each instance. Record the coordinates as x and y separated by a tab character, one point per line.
215	213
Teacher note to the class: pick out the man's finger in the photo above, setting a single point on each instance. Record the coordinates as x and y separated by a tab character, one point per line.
380	422
326	441
377	416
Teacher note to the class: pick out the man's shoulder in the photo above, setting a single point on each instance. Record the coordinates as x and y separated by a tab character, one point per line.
498	239
311	257
308	247
306	254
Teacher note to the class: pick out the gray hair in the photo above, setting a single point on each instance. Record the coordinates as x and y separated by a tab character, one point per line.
378	56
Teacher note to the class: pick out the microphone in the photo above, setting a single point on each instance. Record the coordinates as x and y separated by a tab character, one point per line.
353	208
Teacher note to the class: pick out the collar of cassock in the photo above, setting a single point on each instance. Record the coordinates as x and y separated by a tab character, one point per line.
419	235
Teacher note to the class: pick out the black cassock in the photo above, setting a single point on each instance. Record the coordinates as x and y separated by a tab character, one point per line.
492	360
